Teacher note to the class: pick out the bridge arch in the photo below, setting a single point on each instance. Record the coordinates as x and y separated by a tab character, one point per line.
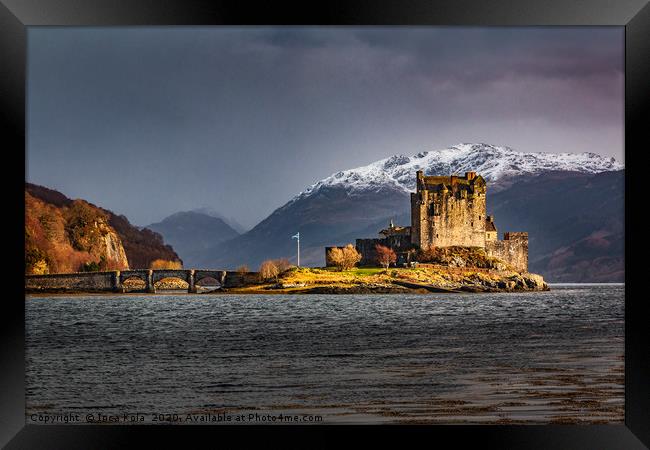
217	275
159	275
164	279
128	275
139	274
209	278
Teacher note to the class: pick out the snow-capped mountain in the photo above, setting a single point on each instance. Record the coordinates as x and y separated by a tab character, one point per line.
584	228
492	162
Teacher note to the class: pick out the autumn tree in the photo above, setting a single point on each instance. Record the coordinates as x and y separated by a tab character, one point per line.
243	269
385	256
351	256
283	265
344	258
269	270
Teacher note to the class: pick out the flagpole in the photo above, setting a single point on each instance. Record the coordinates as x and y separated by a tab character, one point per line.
297	237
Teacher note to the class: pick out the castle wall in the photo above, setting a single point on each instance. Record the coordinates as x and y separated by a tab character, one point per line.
401	244
513	249
367	249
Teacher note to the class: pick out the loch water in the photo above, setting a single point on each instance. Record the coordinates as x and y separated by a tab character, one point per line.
536	357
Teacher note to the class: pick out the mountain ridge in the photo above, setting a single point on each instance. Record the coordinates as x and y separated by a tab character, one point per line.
492	162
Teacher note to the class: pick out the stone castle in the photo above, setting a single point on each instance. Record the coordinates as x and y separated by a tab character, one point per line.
447	211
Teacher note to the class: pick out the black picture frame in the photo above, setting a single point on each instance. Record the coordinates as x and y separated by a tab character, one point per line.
17	15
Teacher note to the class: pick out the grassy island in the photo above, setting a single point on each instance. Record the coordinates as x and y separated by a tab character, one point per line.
360	280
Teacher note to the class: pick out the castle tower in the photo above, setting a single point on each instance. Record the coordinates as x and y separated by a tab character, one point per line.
490	229
448	211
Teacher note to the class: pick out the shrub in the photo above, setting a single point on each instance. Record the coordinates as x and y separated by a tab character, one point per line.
165	264
345	258
90	266
385	256
40	268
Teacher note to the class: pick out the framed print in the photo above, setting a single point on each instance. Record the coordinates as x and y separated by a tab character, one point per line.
378	217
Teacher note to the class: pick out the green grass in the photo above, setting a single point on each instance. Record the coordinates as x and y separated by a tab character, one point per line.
357	271
366	271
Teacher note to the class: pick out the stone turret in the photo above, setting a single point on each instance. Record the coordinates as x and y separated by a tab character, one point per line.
448	211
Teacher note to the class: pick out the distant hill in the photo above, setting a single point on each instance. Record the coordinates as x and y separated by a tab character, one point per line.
230	221
61	235
191	233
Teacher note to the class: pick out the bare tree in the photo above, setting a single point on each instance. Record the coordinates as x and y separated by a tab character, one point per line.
282	264
351	256
243	269
335	257
385	256
269	270
344	258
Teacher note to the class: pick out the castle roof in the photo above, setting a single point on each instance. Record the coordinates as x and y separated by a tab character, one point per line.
453	182
489	225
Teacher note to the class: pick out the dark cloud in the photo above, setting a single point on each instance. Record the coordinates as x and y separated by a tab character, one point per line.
149	121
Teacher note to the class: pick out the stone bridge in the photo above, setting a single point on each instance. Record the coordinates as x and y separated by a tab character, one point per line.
113	281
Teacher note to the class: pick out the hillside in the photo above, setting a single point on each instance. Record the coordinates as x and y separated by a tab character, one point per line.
69	238
61	235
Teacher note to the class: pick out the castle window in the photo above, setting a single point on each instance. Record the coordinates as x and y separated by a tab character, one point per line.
472	223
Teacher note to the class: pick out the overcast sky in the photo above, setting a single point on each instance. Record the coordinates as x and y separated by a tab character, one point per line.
151	121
